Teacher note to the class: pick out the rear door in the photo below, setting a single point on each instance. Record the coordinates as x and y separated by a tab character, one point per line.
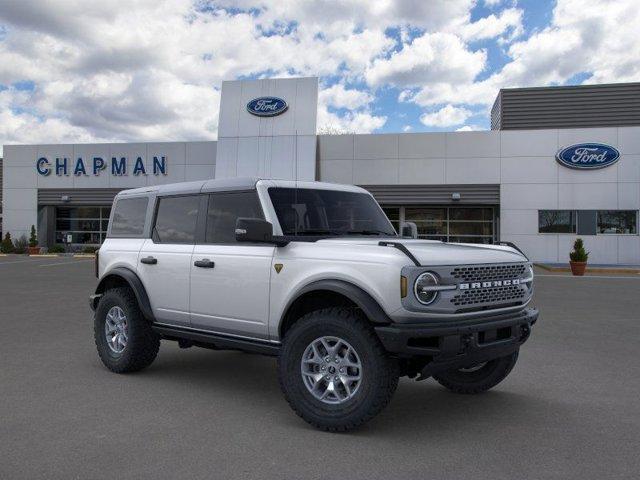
230	280
164	263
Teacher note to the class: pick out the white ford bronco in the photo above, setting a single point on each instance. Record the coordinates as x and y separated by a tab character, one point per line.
314	274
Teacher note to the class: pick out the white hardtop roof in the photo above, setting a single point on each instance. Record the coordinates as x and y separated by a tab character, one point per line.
230	184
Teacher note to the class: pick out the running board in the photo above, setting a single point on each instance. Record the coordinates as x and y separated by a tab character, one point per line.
216	340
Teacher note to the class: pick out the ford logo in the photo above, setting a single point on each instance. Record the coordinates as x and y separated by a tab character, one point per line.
267	106
588	156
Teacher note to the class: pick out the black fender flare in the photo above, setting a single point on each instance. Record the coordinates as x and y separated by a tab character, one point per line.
134	282
370	307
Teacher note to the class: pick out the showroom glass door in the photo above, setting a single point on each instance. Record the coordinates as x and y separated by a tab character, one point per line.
449	224
86	225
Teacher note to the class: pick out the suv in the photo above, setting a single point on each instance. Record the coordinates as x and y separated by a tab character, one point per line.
314	274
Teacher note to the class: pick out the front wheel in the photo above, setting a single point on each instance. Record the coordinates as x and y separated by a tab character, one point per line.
478	378
124	338
333	370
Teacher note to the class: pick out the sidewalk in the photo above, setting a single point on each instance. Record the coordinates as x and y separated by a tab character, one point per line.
592	269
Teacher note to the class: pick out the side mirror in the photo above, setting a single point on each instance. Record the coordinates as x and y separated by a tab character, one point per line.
409	230
256	230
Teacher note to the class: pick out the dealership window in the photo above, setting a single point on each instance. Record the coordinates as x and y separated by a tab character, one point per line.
618	221
85	225
176	219
556	221
393	214
449	224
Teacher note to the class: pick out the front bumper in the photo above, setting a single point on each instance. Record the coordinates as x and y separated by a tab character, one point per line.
451	345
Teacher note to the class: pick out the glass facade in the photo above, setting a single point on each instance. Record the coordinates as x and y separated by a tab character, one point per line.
449	224
86	225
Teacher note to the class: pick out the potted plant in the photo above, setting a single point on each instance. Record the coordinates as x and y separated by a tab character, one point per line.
578	258
33	249
20	245
7	244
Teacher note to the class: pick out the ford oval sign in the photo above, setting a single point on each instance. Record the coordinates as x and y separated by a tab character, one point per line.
588	156
267	106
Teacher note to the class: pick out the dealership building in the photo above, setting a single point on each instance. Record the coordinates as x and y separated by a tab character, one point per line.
559	162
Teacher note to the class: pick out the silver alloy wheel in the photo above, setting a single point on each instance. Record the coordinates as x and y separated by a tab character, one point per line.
116	330
331	370
473	368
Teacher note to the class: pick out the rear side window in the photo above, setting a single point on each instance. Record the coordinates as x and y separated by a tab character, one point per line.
128	216
176	219
224	210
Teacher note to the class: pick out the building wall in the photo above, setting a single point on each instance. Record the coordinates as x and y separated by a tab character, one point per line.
523	164
283	146
573	106
184	160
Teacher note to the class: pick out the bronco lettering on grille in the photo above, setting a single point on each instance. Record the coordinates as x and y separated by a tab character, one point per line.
494	283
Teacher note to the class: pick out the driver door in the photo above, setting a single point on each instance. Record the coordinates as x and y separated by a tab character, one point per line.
230	280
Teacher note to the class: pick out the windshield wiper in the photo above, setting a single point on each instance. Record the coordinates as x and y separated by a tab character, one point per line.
368	232
312	231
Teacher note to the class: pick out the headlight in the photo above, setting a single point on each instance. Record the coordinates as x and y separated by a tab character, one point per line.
424	288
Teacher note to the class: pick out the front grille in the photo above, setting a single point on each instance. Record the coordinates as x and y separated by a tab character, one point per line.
494	295
481	273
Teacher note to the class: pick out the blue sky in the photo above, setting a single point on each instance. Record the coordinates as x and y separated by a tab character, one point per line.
77	71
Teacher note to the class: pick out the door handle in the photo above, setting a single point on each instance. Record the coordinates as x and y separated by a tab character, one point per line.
204	263
149	260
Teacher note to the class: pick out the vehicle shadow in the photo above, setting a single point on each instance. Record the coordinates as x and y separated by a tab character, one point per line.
417	407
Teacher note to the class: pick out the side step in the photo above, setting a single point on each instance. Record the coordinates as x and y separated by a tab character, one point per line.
216	340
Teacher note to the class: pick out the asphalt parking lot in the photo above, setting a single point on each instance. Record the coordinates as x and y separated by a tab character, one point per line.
570	409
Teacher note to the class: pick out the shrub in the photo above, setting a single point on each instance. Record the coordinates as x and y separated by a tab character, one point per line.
33	238
7	244
20	245
89	249
579	254
57	248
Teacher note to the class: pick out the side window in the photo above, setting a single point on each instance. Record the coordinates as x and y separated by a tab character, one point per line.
224	210
128	216
176	219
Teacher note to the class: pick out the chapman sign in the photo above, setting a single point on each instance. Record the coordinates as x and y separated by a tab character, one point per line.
94	166
588	156
267	106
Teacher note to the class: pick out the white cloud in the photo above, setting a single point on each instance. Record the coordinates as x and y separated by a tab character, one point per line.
407	128
340	97
447	116
433	57
358	122
469	128
509	22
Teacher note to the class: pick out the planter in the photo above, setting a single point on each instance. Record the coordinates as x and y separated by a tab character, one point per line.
578	268
33	250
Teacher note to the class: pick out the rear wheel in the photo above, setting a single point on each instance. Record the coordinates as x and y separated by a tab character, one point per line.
333	370
478	378
123	337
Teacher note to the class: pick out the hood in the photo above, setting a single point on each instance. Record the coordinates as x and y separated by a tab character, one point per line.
431	252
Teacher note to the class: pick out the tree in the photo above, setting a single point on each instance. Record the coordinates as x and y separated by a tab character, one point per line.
7	244
579	254
33	237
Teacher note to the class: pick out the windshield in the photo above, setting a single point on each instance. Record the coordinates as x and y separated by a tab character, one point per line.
306	211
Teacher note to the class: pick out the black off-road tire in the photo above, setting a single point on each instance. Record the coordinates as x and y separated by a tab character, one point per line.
142	344
380	373
481	380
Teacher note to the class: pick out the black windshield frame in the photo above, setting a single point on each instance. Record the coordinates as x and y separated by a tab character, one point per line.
309	213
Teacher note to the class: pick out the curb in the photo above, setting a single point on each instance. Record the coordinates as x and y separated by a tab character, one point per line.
44	255
84	255
589	269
